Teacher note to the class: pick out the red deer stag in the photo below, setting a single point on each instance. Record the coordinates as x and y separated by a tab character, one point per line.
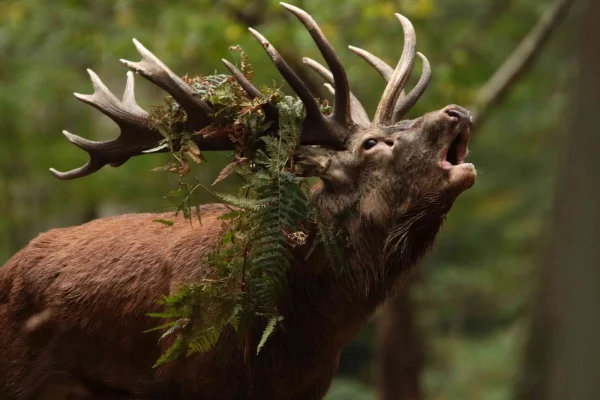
74	302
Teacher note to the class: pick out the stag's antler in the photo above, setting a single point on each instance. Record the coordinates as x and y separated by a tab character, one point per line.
331	131
137	136
404	103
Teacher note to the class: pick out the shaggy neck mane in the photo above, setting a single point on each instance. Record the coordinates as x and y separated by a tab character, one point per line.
383	252
378	257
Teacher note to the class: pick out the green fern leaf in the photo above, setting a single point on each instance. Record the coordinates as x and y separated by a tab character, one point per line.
268	332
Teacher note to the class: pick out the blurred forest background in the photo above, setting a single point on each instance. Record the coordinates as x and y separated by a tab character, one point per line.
466	315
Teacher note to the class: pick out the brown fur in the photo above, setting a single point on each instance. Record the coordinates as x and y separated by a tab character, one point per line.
73	303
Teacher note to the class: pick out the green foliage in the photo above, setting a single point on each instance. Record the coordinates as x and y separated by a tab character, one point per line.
283	209
197	314
167	222
350	389
253	258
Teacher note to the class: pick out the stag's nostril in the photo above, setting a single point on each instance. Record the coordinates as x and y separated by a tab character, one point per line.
458	113
454	114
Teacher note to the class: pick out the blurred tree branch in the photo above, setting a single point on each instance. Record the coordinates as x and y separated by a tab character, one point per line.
563	348
519	62
469	42
250	14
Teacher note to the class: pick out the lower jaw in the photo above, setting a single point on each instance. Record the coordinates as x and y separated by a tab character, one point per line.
462	176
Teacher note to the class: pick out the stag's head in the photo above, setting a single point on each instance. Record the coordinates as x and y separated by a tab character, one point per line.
385	166
388	169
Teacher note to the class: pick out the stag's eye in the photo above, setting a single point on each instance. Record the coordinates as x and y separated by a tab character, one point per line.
370	143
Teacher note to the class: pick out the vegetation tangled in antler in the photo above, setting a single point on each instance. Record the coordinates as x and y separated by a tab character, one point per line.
270	215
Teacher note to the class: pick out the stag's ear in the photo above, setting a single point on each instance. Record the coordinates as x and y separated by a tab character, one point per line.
329	165
314	161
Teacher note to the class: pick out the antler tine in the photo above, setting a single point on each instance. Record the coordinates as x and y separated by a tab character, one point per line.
341	110
359	115
269	109
129	94
151	68
104	100
94	163
385	109
406	103
323	132
380	66
312	108
87	169
329	88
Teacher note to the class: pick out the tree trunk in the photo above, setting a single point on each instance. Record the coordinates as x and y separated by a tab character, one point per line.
564	346
399	350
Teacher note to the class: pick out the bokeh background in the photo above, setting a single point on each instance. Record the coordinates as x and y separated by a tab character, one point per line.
464	319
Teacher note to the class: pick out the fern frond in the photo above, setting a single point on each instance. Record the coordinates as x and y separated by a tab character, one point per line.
175	350
241	202
269	329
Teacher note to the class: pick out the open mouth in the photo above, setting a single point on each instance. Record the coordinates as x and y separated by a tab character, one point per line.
456	152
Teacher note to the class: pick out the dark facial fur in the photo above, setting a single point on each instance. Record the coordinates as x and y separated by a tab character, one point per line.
391	170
